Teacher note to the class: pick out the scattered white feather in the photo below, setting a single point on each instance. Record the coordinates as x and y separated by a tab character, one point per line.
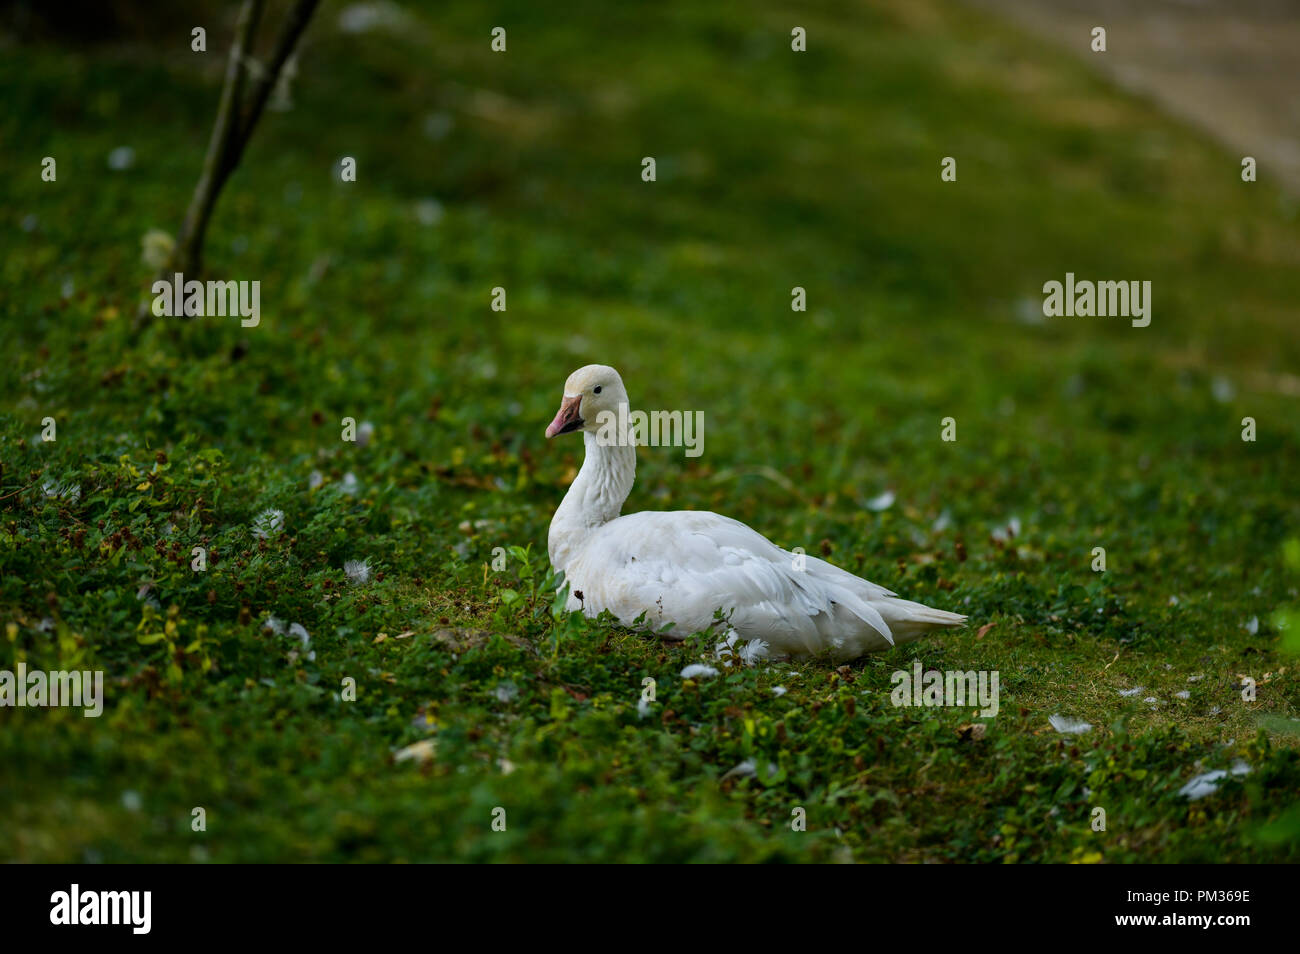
1029	311
506	692
364	17
1005	533
121	158
779	690
698	669
428	211
418	752
315	479
1184	694
66	491
268	522
156	247
1251	625
643	707
1208	782
749	652
1067	726
349	484
1222	389
726	647
365	432
358	571
882	502
437	126
748	769
297	631
1130	692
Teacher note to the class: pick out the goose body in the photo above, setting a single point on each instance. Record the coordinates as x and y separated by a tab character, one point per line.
677	569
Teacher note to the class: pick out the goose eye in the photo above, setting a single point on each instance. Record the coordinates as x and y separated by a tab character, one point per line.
596	389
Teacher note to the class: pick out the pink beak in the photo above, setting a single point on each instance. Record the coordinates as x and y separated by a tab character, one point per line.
567	418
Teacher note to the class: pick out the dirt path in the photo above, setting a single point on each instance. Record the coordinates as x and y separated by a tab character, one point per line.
1231	67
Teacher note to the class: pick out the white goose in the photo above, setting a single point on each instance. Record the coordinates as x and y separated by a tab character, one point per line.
680	567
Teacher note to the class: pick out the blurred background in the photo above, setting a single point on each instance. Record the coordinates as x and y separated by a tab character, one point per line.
1230	69
522	169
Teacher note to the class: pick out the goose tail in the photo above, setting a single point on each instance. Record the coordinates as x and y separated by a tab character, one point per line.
909	620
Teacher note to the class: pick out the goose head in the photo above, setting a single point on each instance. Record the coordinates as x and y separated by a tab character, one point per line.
588	394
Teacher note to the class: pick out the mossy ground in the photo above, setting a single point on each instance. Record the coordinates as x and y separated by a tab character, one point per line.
775	169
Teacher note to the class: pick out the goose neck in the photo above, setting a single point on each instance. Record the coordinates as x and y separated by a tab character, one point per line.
596	495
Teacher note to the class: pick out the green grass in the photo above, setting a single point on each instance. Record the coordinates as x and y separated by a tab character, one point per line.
775	169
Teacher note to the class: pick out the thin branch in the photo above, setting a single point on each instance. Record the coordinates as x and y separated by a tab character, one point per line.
18	491
237	115
294	24
216	168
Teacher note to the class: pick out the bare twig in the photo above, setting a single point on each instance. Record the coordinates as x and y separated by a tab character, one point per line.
188	256
18	491
237	115
294	24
